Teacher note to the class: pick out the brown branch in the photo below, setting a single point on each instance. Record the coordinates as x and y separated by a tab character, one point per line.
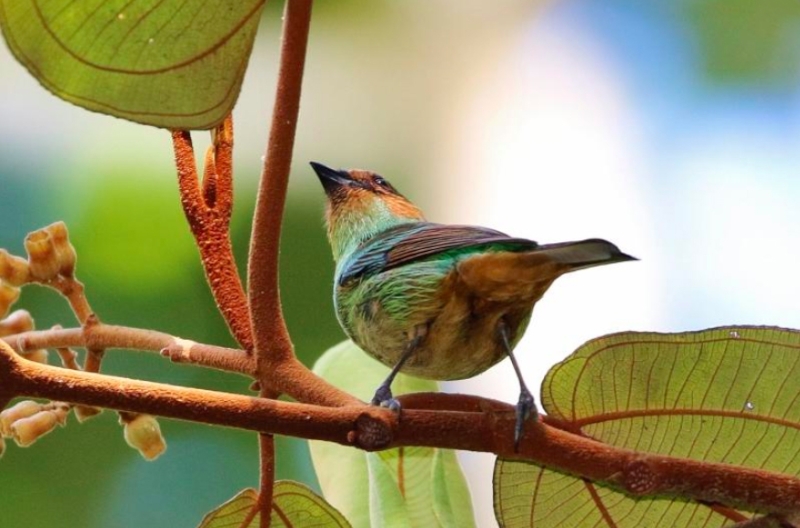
273	345
442	401
272	340
278	368
767	521
638	474
73	290
94	353
102	336
208	211
266	449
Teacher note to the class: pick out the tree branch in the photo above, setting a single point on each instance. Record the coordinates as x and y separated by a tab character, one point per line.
273	345
372	428
103	336
278	368
272	340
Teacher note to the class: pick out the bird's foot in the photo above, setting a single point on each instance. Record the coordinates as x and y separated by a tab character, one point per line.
525	409
384	398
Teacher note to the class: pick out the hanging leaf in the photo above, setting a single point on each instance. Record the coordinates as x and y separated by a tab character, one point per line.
725	395
405	487
294	506
171	64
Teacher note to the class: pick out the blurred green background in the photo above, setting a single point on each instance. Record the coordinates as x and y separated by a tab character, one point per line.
670	127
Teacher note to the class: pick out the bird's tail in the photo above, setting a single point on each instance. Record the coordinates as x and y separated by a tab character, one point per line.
584	253
507	276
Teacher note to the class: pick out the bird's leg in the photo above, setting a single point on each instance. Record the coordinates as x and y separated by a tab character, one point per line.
525	406
383	396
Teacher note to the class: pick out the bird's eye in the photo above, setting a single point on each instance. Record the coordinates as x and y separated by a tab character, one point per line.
380	181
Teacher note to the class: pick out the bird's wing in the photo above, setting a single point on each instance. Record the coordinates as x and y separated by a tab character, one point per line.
417	241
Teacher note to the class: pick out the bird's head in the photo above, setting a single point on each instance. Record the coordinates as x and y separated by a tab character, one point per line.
360	205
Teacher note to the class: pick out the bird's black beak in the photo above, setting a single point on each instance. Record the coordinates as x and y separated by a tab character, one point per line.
331	179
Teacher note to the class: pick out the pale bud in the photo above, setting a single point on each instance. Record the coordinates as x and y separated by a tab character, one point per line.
14	270
8	296
17	322
42	257
84	412
40	355
2	446
27	430
143	433
21	410
65	252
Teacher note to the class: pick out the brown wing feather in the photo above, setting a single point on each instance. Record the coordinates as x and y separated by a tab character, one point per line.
431	239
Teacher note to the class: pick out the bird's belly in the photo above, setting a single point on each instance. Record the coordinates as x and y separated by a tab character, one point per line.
458	340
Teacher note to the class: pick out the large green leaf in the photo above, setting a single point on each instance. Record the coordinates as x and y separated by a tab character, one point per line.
527	495
293	506
723	395
406	487
168	63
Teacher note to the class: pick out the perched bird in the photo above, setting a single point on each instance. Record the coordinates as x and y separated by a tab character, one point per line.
436	301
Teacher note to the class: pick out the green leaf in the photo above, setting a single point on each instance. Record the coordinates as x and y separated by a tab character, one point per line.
174	64
404	487
293	506
528	495
452	503
722	395
386	501
237	512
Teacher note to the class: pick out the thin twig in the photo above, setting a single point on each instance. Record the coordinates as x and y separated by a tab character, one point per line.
73	290
266	449
121	337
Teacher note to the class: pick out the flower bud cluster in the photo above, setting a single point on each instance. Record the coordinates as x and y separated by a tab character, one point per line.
28	420
50	253
143	433
14	272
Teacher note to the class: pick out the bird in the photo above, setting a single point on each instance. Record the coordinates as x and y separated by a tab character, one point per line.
436	301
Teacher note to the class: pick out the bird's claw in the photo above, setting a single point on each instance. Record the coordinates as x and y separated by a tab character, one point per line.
525	409
383	398
391	404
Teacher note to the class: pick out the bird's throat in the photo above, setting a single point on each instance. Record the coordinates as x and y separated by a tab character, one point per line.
348	229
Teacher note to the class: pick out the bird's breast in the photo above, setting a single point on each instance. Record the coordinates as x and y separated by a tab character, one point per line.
381	313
